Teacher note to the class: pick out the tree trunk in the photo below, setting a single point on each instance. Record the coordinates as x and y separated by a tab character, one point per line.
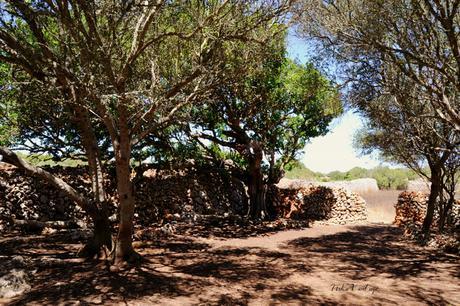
444	212
124	248
90	145
101	242
124	251
256	186
434	193
100	245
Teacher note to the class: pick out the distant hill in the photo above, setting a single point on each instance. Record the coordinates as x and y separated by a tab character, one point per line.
386	177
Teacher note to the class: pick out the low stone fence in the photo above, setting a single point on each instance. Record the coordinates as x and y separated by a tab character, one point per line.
411	210
181	194
359	186
335	205
160	194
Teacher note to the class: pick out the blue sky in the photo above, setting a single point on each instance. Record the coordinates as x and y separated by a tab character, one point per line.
334	151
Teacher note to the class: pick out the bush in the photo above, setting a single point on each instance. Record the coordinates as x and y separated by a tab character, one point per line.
386	177
391	178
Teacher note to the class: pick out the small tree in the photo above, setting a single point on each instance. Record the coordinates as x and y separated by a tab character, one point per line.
266	120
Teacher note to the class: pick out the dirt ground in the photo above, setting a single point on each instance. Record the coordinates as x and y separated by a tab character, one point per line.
366	264
361	264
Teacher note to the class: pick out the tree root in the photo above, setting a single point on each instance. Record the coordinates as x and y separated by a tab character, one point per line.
131	258
100	246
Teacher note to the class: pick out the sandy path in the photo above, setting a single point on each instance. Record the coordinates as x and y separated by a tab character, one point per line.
367	264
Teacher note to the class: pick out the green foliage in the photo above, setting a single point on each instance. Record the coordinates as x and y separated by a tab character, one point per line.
387	178
8	115
276	108
296	170
392	178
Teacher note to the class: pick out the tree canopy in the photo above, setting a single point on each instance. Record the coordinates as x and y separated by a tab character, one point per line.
120	72
263	122
401	70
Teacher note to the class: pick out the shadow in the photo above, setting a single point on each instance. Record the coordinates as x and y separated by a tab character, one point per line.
315	204
243	265
179	269
83	281
57	277
299	294
237	227
365	251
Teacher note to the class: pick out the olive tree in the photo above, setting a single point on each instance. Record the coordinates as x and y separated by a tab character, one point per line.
403	127
418	38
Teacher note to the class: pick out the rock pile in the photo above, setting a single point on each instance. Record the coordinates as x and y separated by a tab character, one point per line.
181	194
14	283
410	208
335	205
410	213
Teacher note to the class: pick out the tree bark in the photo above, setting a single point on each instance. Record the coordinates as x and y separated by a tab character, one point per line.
90	144
434	193
101	242
256	186
124	248
444	213
124	251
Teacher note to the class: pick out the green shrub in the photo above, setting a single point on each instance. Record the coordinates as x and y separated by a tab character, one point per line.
387	178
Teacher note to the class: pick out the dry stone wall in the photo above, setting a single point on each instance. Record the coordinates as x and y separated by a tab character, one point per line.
411	210
27	198
184	194
335	205
359	186
181	194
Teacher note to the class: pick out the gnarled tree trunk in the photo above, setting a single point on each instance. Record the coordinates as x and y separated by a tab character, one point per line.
436	187
101	243
256	186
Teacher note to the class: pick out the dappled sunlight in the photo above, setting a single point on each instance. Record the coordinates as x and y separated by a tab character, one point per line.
317	265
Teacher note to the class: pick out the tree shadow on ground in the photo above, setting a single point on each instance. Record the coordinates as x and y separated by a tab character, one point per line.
58	277
366	251
246	266
183	267
237	227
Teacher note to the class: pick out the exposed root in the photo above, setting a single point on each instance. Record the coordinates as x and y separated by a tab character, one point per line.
131	258
98	247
